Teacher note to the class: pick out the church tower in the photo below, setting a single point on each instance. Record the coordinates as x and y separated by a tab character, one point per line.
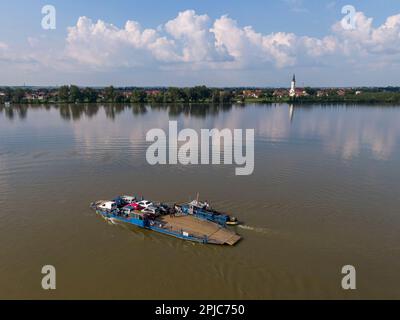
292	91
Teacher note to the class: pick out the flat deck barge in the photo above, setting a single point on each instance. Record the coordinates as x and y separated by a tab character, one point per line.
174	223
201	228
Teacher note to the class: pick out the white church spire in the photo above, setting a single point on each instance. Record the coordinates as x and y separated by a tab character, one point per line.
292	91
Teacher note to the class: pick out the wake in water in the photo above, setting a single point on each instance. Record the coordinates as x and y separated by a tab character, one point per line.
258	229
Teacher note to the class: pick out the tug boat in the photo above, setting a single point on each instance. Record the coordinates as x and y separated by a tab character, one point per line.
187	222
203	210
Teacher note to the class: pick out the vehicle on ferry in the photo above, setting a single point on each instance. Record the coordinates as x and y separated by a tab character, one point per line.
135	206
128	199
145	203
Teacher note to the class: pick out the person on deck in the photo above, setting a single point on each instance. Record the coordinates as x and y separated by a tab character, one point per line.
172	211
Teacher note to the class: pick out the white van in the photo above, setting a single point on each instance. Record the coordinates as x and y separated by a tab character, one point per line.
128	199
107	205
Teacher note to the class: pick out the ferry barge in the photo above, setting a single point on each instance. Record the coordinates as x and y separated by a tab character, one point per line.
186	221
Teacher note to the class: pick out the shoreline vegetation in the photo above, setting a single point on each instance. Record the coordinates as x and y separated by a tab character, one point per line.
198	94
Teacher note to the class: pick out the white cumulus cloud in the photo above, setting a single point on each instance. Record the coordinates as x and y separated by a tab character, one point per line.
101	44
193	41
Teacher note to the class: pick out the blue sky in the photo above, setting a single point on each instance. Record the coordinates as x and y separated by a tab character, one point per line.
190	42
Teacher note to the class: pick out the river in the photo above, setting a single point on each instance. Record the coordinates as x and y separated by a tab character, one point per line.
324	193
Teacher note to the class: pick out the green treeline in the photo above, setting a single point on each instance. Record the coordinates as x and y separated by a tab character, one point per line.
197	94
75	94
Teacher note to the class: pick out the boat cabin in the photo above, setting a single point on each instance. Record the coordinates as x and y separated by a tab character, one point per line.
202	205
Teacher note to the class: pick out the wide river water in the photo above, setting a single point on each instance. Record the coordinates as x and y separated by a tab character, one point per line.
325	192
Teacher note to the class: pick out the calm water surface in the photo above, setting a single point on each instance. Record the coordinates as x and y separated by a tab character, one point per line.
324	193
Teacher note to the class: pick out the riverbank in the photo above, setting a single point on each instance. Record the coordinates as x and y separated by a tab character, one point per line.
198	95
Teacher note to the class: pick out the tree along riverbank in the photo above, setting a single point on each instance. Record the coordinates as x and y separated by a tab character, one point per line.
199	95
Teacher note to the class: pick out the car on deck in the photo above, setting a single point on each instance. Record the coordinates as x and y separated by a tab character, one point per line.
145	203
134	206
151	210
128	199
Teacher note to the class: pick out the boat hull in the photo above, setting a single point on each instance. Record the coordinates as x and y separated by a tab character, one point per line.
183	227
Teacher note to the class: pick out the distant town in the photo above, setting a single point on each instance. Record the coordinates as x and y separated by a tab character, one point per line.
197	94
